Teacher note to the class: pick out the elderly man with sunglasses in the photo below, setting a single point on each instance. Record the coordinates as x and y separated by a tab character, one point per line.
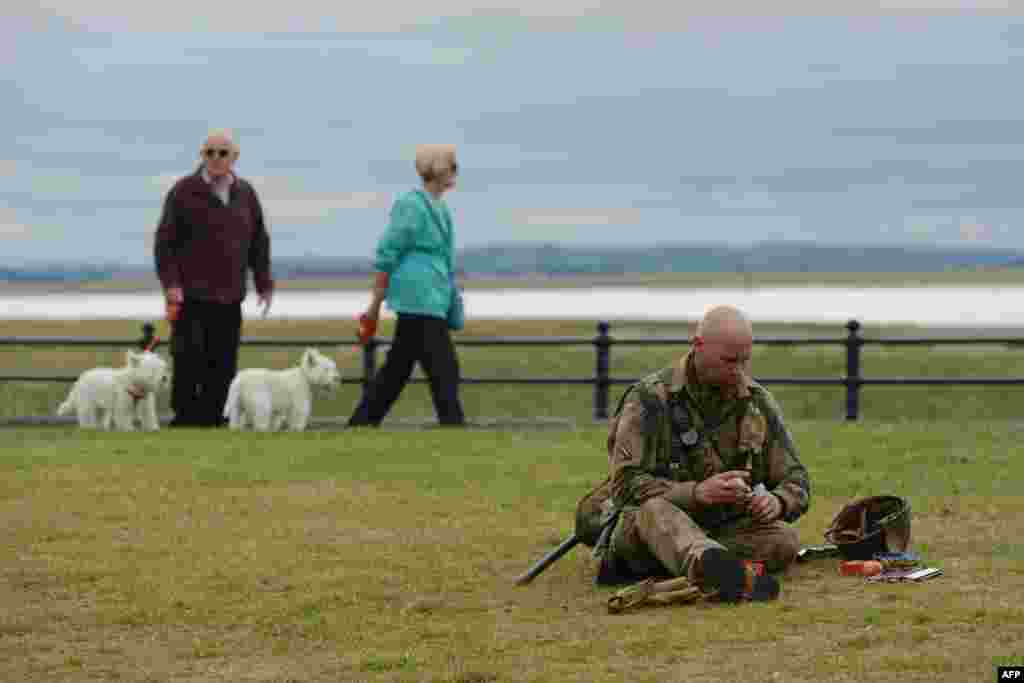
210	234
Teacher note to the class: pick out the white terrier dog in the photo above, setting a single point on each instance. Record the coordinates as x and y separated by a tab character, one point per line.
271	400
117	398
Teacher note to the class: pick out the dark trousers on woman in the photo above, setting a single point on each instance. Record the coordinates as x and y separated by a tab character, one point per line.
420	338
204	348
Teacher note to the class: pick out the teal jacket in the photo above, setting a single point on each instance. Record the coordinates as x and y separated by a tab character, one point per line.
417	251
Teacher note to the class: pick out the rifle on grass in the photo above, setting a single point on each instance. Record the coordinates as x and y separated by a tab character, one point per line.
553	556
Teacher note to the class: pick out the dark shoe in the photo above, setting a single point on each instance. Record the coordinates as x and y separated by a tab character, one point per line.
723	572
764	588
610	571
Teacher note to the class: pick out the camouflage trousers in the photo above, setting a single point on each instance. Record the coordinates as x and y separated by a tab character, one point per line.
659	537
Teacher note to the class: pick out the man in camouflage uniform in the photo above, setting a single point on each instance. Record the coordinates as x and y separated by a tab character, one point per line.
687	449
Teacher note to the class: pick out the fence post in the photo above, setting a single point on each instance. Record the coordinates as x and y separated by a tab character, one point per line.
853	378
148	330
602	344
369	364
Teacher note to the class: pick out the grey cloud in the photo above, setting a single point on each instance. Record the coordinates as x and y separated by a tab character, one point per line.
983	186
88	161
966	132
724	132
290	165
824	68
1014	35
906	177
186	131
840	179
316	15
79	206
707	183
973	201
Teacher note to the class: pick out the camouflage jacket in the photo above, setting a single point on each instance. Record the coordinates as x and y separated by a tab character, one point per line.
659	445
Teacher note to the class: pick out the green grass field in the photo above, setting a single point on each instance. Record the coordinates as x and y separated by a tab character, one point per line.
570	402
389	556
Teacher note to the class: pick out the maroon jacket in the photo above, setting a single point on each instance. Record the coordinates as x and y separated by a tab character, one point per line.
205	247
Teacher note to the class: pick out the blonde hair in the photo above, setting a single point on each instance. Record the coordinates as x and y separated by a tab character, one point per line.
223	134
434	160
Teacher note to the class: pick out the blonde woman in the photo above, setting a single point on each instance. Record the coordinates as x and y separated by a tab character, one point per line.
414	267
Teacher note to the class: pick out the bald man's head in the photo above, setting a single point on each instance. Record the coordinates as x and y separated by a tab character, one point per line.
725	322
722	347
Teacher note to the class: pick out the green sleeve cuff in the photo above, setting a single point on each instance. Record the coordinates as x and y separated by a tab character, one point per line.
787	504
681	494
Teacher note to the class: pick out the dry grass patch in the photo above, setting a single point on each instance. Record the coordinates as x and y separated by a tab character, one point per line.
205	556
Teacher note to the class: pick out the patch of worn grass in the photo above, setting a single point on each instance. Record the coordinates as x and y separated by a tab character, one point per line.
377	555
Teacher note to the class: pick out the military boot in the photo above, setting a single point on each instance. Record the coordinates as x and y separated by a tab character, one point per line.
724	573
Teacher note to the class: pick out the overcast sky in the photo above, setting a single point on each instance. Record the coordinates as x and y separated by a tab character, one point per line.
633	122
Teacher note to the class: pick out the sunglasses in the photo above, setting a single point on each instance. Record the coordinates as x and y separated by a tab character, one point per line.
212	152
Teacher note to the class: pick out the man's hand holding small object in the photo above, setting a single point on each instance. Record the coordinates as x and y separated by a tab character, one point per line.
724	487
763	506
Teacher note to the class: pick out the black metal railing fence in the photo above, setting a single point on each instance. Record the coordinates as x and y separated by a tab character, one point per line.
603	343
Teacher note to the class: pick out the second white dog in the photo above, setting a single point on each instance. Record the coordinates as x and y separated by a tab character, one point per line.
271	400
119	398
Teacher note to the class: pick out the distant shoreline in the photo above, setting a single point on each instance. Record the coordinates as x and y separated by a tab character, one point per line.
731	280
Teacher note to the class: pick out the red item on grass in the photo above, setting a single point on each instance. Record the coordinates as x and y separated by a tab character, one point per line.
860	568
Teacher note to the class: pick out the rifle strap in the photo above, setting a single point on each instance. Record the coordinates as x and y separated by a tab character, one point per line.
607	527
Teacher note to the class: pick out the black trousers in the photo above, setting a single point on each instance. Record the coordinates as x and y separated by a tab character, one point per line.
204	348
425	339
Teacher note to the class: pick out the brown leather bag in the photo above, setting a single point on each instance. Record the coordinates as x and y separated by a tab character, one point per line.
869	525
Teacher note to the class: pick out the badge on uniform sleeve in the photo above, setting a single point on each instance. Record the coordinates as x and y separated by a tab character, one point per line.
689	437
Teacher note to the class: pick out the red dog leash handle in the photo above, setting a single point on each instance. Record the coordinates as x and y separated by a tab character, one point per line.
367	328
